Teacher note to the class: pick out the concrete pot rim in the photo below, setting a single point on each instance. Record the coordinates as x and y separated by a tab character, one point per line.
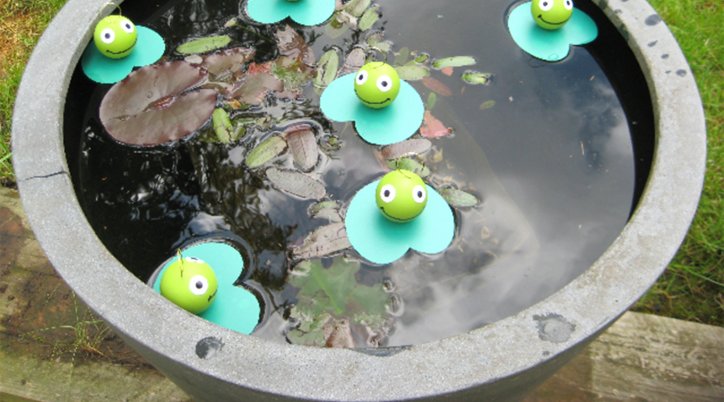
500	350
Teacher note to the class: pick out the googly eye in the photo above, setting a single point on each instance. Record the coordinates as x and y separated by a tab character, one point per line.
419	194
127	26
388	193
545	5
568	4
362	77
384	83
108	36
198	285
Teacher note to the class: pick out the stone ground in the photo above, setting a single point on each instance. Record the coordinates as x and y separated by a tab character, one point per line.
53	349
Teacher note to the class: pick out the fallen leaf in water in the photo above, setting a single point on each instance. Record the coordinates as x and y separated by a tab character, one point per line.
326	69
416	146
357	7
203	45
223	65
432	127
323	241
303	146
487	104
338	334
291	44
222	126
458	198
447	71
265	151
253	88
431	101
296	184
437	86
157	104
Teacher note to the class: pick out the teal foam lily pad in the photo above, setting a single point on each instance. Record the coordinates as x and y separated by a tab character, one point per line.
104	70
304	12
234	307
382	241
550	45
392	124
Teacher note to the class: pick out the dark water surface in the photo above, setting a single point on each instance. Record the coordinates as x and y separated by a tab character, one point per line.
558	161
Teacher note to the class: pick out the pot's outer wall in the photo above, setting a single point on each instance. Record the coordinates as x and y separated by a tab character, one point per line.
501	360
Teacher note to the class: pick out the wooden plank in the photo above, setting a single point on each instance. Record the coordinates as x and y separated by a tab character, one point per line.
644	357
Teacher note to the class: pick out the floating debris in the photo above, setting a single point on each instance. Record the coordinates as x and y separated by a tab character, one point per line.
303	147
458	198
456	61
412	72
432	127
476	77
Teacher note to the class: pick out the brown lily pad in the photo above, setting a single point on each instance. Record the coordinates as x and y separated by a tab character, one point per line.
157	104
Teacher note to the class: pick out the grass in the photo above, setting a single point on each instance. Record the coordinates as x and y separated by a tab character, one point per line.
691	289
21	23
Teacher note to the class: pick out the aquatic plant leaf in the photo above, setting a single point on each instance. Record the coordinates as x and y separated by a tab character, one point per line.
412	72
323	241
326	69
431	101
203	45
402	56
265	151
487	104
157	104
411	147
377	42
458	198
456	61
369	18
311	329
357	7
296	184
303	146
328	210
222	126
411	165
226	63
476	77
437	86
432	127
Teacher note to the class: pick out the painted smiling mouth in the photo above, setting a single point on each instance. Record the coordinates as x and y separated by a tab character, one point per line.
540	17
124	51
372	103
211	296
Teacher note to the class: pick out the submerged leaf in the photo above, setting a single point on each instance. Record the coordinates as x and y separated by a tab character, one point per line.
157	104
431	101
296	184
328	210
412	72
203	45
411	147
303	146
456	61
322	241
476	77
357	7
222	65
265	151
437	86
458	198
487	104
252	89
432	127
331	303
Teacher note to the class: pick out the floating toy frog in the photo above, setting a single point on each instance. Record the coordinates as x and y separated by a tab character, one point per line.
115	36
377	84
401	195
190	283
551	14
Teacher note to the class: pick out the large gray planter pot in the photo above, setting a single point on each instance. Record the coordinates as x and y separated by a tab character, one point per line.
500	361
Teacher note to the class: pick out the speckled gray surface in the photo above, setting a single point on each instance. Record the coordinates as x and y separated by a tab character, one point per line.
501	360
